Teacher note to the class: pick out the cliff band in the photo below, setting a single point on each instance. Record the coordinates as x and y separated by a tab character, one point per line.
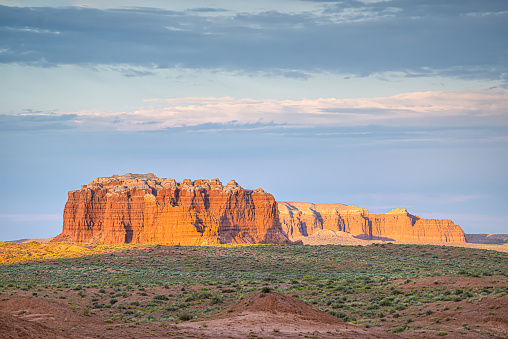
142	208
300	219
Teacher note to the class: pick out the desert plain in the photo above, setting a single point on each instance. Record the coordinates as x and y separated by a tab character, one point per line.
373	290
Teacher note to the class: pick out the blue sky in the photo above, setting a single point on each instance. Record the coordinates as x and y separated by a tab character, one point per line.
379	104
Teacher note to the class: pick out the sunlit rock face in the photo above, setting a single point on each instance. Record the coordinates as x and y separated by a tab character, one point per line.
304	219
142	208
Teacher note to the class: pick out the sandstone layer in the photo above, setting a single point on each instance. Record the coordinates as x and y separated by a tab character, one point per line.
142	208
300	219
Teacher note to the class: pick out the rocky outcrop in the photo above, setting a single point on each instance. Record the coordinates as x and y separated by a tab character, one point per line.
142	208
304	219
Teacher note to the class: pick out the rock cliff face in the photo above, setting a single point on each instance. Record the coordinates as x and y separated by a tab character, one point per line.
300	219
142	208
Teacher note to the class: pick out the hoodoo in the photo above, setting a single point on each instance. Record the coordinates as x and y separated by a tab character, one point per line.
142	208
301	219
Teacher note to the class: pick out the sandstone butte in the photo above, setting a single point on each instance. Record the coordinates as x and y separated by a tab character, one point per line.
142	208
301	219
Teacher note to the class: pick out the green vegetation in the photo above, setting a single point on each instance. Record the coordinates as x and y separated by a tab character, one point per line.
369	286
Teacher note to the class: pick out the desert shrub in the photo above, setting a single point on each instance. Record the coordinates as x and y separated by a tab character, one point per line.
342	316
185	316
113	301
171	308
266	289
399	329
215	300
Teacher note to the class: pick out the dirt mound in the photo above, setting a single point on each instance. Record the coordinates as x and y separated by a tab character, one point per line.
53	315
13	327
38	309
278	303
275	315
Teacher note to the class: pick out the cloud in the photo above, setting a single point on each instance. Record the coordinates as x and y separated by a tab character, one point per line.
422	38
468	108
207	9
36	121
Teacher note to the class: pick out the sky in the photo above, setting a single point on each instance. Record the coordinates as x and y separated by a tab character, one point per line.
378	104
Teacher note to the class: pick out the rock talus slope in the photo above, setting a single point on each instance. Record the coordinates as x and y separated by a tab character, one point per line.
142	208
304	219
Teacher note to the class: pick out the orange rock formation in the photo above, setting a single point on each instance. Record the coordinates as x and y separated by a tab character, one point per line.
142	208
300	219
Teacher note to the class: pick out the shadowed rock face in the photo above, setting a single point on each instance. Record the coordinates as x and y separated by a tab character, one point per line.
304	219
142	208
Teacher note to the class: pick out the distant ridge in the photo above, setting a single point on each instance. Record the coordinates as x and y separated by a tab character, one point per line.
39	240
498	239
302	219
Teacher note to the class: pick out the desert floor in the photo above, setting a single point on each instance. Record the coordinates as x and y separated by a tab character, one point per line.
144	291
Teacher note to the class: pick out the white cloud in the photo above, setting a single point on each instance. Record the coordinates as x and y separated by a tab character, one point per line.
467	107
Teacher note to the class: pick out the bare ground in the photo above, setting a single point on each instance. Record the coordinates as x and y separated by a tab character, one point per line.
273	315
